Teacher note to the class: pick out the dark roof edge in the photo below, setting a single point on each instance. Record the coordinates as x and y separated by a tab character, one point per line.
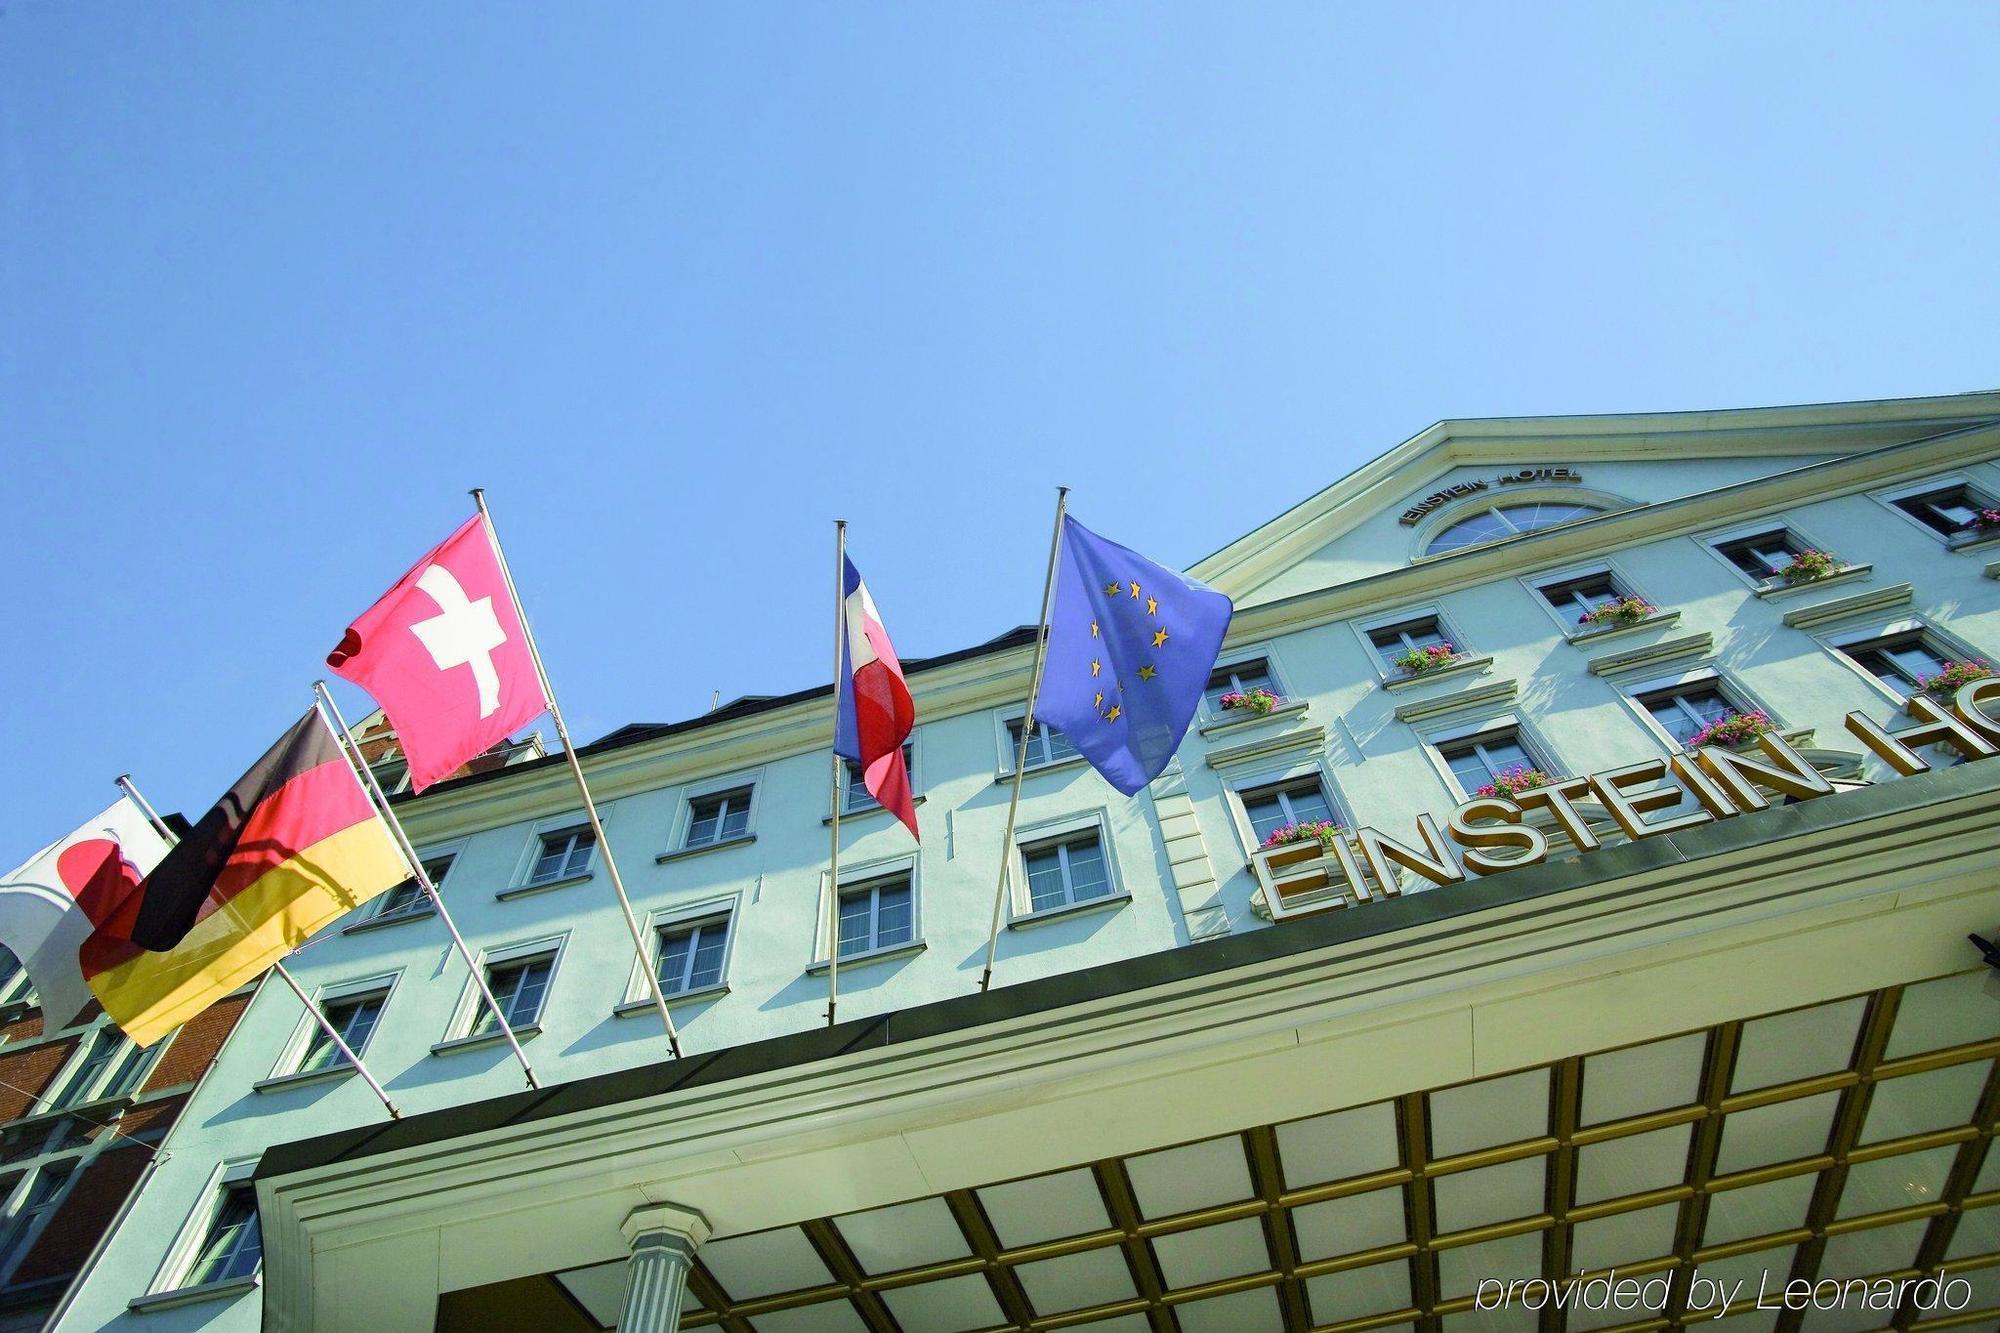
1178	963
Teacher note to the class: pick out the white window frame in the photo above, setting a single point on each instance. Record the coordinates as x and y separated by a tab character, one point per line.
1003	724
1242	657
712	787
868	805
422	906
638	994
466	1012
1888	499
294	1050
1297	771
1063	829
1712	542
1838	642
1738	696
1365	628
1566	623
17	987
531	852
861	876
1544	756
179	1263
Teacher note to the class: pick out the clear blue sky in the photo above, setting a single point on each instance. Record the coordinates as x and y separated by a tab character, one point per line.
680	284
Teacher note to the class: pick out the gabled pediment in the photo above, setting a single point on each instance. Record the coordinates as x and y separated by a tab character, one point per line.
1394	509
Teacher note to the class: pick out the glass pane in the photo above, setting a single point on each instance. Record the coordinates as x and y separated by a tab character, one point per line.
578	861
1266	813
1470	531
234	1245
674	951
527	1002
857	919
736	816
549	864
1470	770
707	817
1087	875
893	916
1309	803
1677	722
709	942
1055	743
1045	883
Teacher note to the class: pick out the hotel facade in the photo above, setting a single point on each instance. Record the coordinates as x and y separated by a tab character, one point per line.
1710	1021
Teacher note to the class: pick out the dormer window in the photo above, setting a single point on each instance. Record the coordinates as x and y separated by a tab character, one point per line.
1491	525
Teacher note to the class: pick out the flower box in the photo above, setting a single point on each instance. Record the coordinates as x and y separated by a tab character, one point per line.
1622	611
1732	731
1419	661
1511	782
1810	567
1947	682
1259	701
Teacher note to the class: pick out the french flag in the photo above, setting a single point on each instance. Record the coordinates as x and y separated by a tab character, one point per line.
875	714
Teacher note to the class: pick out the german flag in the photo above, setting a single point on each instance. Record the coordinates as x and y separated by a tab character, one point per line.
291	847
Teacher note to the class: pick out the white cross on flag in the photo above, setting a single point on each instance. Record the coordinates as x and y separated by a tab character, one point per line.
444	654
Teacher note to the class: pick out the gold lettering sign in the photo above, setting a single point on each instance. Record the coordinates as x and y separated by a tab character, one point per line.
1489	835
1458	490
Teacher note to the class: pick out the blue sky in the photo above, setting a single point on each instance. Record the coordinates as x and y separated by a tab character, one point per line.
679	285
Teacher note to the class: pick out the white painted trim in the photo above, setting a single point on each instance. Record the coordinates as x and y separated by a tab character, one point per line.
466	1009
726	907
858	876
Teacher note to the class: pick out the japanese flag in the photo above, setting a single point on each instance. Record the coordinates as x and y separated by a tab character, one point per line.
444	653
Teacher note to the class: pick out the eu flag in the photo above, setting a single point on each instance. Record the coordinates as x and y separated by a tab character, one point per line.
1131	648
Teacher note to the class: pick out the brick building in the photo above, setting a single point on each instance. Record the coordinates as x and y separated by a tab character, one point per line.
82	1112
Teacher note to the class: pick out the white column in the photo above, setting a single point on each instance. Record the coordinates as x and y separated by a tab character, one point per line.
663	1238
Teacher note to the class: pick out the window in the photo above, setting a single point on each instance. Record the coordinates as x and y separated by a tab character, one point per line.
520	985
1066	871
1238	679
1900	660
1409	636
691	955
354	1017
233	1246
857	798
1491	525
1295	802
409	898
1573	599
877	915
564	854
1763	556
1046	746
20	1230
719	817
1683	710
1477	760
106	1065
393	774
1946	511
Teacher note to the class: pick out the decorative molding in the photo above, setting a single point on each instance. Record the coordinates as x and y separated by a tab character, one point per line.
1699	644
454	1045
1871	602
1993	570
1418	710
644	1004
422	912
1778	592
682	853
1188	862
1050	915
1297	739
1467	666
1972	541
547	886
823	966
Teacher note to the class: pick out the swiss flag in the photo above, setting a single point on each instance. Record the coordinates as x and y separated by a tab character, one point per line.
443	652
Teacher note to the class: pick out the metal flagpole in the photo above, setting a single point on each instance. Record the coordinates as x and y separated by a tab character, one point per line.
380	799
125	785
650	970
1027	732
839	768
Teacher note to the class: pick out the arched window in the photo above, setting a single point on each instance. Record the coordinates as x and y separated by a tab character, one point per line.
1505	521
